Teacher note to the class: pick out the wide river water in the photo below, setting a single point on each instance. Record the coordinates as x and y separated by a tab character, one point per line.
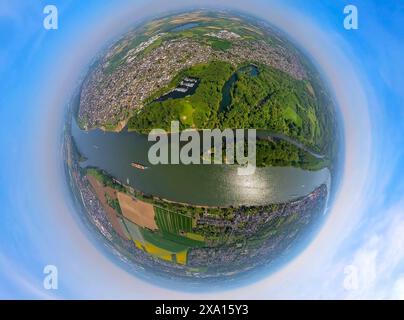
210	185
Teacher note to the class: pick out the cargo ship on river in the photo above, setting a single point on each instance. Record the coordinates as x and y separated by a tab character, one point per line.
138	166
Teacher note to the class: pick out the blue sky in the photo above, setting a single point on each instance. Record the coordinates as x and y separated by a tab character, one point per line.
39	70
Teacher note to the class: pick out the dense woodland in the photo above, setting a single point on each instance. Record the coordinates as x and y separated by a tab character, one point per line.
269	100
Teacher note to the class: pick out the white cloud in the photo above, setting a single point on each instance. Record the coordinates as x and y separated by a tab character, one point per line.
398	289
380	257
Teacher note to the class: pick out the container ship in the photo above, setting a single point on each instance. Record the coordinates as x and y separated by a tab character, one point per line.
138	166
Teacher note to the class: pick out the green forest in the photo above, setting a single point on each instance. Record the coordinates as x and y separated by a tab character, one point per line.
229	97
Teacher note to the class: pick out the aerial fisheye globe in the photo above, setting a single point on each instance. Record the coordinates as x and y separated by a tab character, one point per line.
190	214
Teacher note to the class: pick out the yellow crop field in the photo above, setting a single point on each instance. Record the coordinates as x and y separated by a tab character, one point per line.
160	253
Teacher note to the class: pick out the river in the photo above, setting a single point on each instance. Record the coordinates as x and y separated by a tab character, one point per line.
210	185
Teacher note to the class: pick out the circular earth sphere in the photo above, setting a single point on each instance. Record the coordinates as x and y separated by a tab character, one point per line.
177	201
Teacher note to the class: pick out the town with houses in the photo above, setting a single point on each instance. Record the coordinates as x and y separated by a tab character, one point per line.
109	98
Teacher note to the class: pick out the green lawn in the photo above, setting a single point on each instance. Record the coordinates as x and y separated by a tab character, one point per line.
291	114
219	44
190	243
172	222
159	240
186	113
